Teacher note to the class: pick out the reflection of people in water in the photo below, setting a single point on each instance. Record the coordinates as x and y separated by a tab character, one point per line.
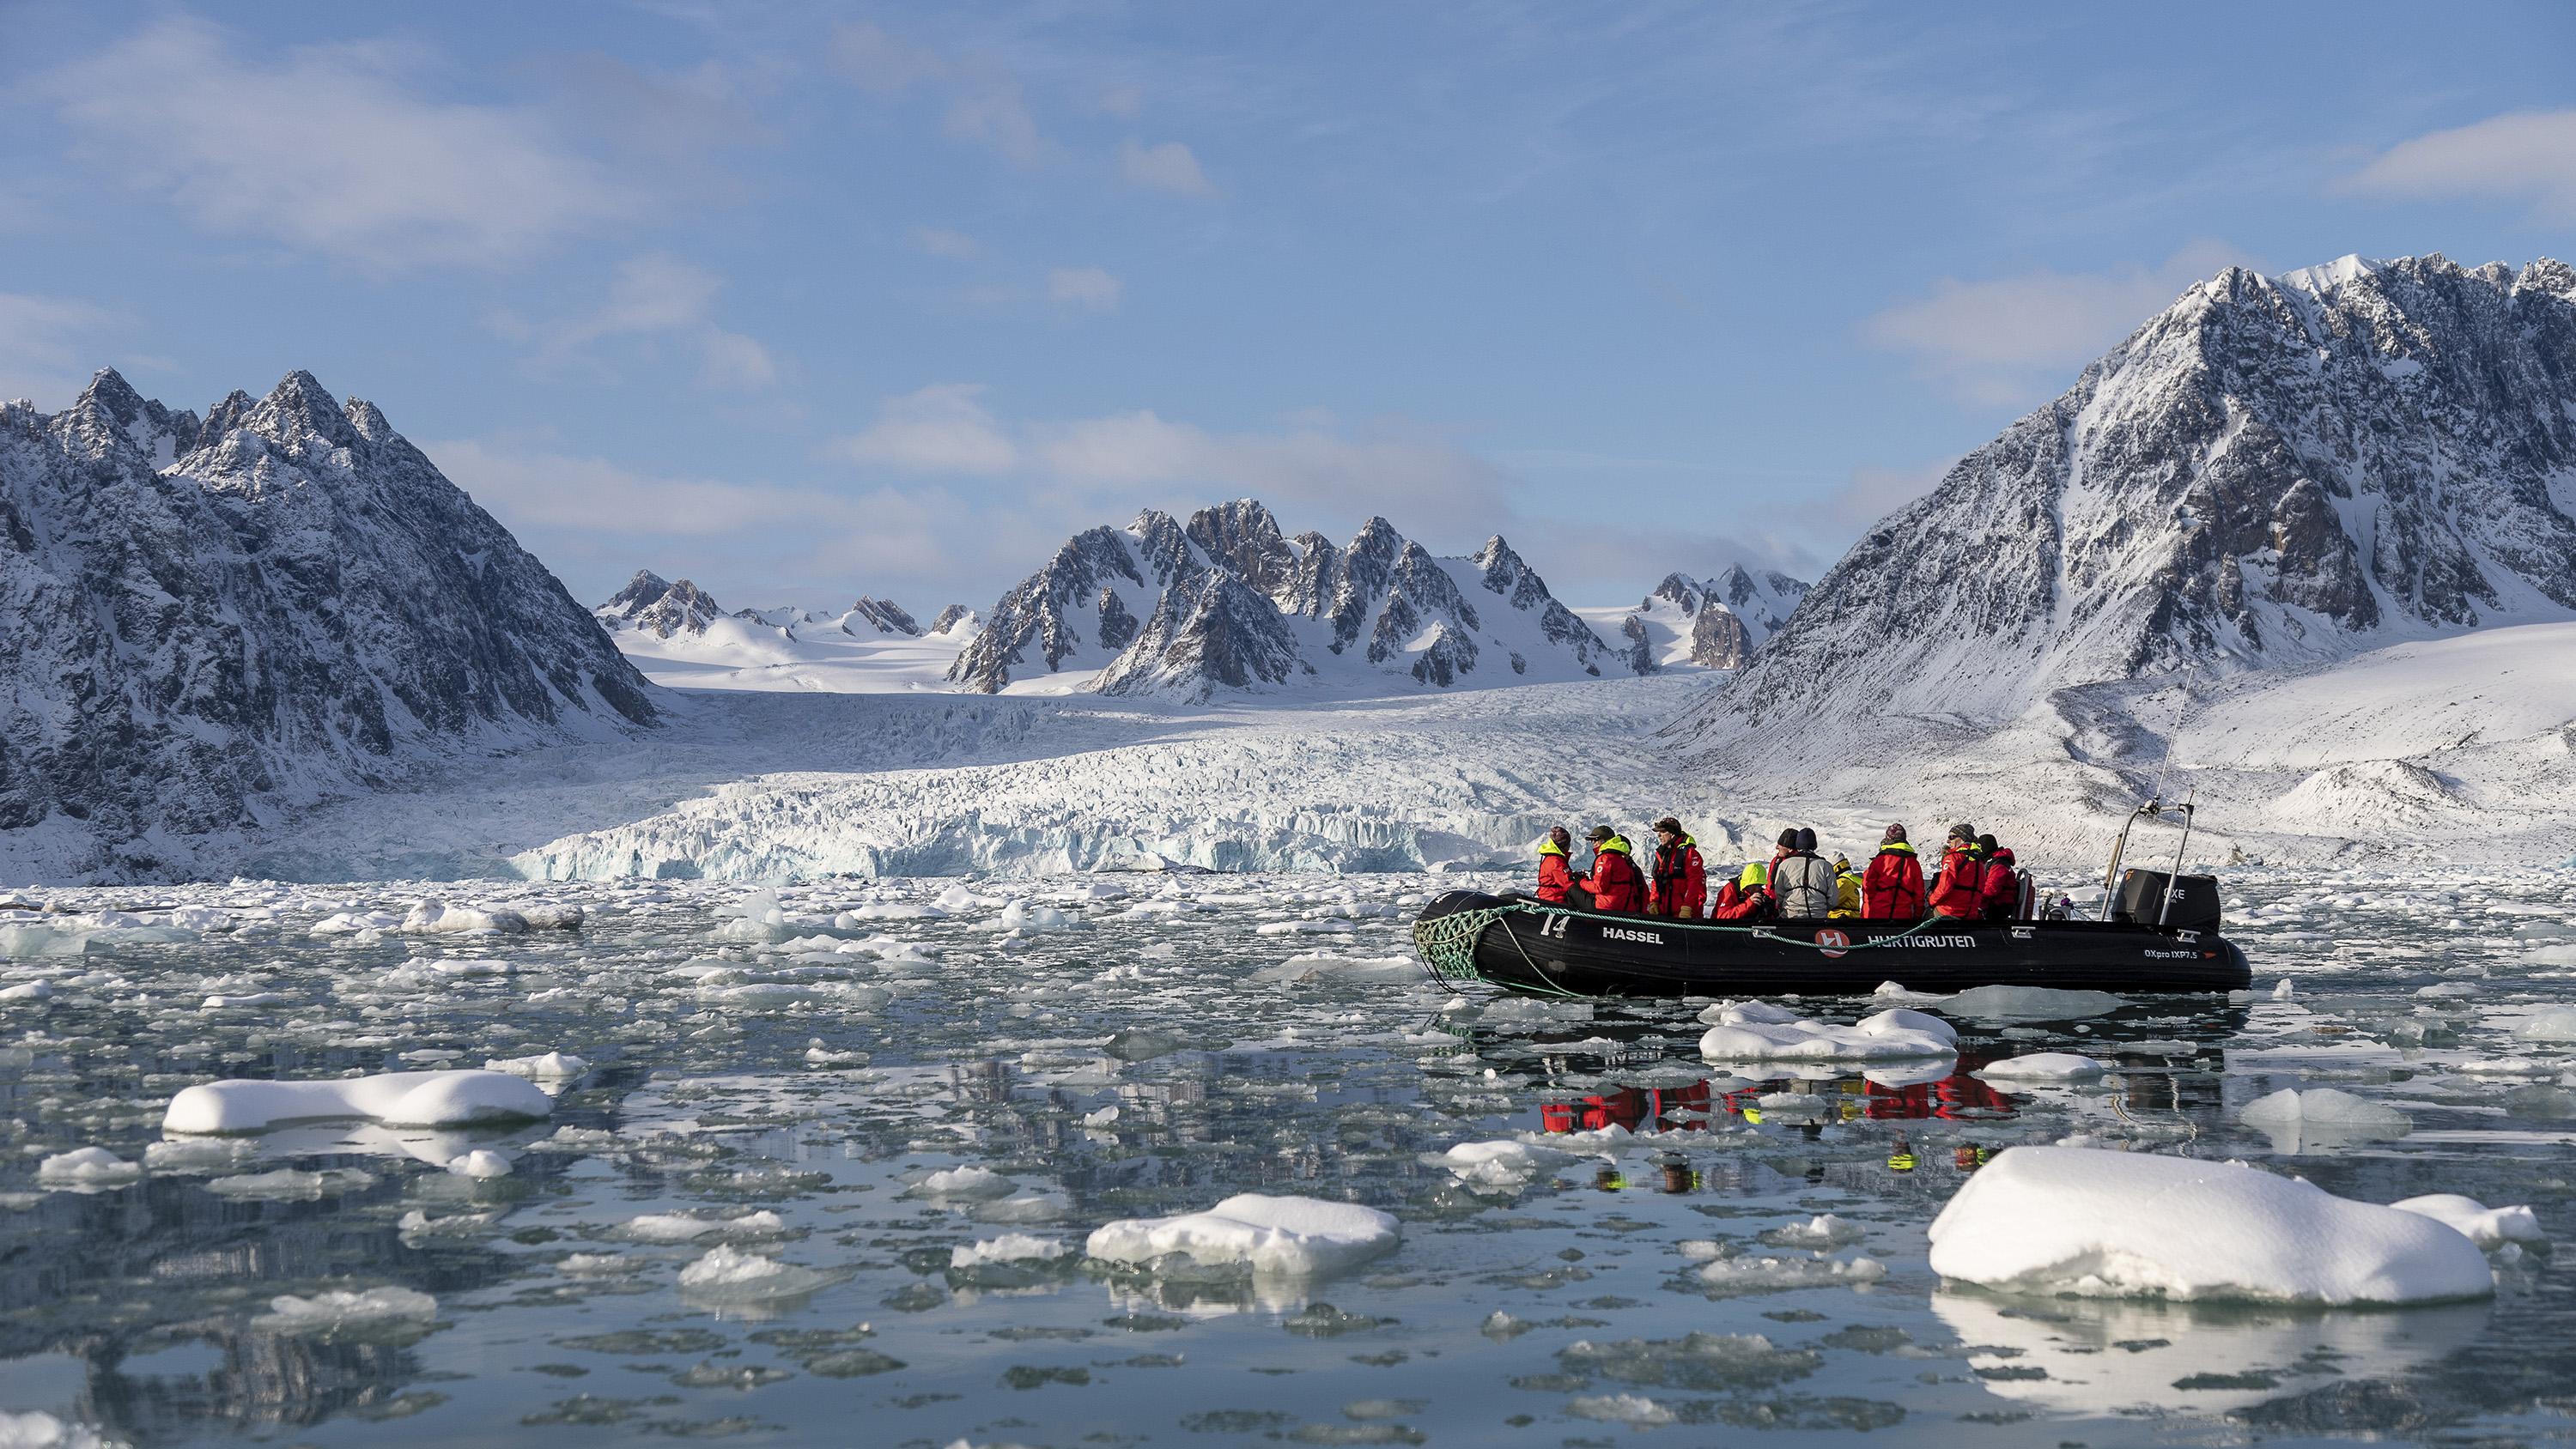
1969	1156
1959	1096
1902	1158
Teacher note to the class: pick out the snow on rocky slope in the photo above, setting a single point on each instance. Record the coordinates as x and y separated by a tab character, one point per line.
678	635
1689	624
1226	602
212	621
2290	498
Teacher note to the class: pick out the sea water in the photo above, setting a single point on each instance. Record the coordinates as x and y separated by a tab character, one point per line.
796	1105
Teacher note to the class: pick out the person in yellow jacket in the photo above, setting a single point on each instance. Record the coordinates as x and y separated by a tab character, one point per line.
1846	890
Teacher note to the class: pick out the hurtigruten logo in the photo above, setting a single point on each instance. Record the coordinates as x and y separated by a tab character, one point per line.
1621	933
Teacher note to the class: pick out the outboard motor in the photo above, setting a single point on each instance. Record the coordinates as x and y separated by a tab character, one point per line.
2142	901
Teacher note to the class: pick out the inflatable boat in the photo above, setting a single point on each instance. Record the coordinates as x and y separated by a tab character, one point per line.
1539	949
2158	933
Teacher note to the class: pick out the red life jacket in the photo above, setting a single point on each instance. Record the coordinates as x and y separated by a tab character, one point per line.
1555	877
1891	889
1615	883
1679	886
1960	893
2001	886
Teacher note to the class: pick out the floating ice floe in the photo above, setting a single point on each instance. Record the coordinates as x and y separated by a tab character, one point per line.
2323	1116
2059	1220
290	1314
1748	1030
190	1155
87	1169
1008	1248
421	1099
2489	1228
728	1274
2043	1067
1315	969
683	1228
1634	1409
1504	1163
1824	1231
1733	1277
28	991
1299	1236
348	923
436	917
968	1183
2029	1003
2555	1025
482	1162
37	1429
549	1067
288	1185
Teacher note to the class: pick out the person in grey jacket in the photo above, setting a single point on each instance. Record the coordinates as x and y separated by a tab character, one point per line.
1802	882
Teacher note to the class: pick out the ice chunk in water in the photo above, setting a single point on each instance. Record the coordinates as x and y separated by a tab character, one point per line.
1635	1409
2029	1003
1008	1248
290	1314
424	1099
2131	1224
1504	1163
728	1274
2489	1228
1823	1231
2557	1024
2323	1116
438	917
87	1167
1282	1235
2043	1067
1751	1030
1729	1277
551	1066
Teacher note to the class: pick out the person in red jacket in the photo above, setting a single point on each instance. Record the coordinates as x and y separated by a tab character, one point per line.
2001	885
1555	871
1959	892
1678	883
1892	888
1614	881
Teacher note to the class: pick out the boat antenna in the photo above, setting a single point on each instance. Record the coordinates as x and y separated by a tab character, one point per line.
2173	731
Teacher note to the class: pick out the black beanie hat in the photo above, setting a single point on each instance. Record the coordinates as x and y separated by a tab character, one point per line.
1806	838
1789	838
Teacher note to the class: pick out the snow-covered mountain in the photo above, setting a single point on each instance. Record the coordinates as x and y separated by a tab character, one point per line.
2276	470
679	635
209	621
1225	601
1716	624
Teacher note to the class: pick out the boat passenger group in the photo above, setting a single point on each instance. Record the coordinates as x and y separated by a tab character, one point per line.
1977	879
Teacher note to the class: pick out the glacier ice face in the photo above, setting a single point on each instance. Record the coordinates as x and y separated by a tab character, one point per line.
210	622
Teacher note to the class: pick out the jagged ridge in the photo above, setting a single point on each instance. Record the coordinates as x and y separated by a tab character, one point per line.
1226	601
208	620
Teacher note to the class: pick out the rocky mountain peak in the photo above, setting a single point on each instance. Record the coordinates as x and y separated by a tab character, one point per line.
1227	602
885	614
209	625
2273	470
659	607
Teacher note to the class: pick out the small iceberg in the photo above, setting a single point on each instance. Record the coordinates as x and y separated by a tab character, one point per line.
1751	1030
2073	1220
2043	1067
2323	1117
1296	1236
410	1099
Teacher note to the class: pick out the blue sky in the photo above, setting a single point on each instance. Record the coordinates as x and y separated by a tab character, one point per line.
811	301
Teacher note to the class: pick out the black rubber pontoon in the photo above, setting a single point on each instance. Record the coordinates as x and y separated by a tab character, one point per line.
1540	949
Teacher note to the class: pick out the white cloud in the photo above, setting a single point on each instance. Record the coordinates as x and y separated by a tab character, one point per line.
1418	477
328	148
1085	287
654	294
529	486
2015	339
940	429
40	341
955	245
2528	155
1167	167
985	105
